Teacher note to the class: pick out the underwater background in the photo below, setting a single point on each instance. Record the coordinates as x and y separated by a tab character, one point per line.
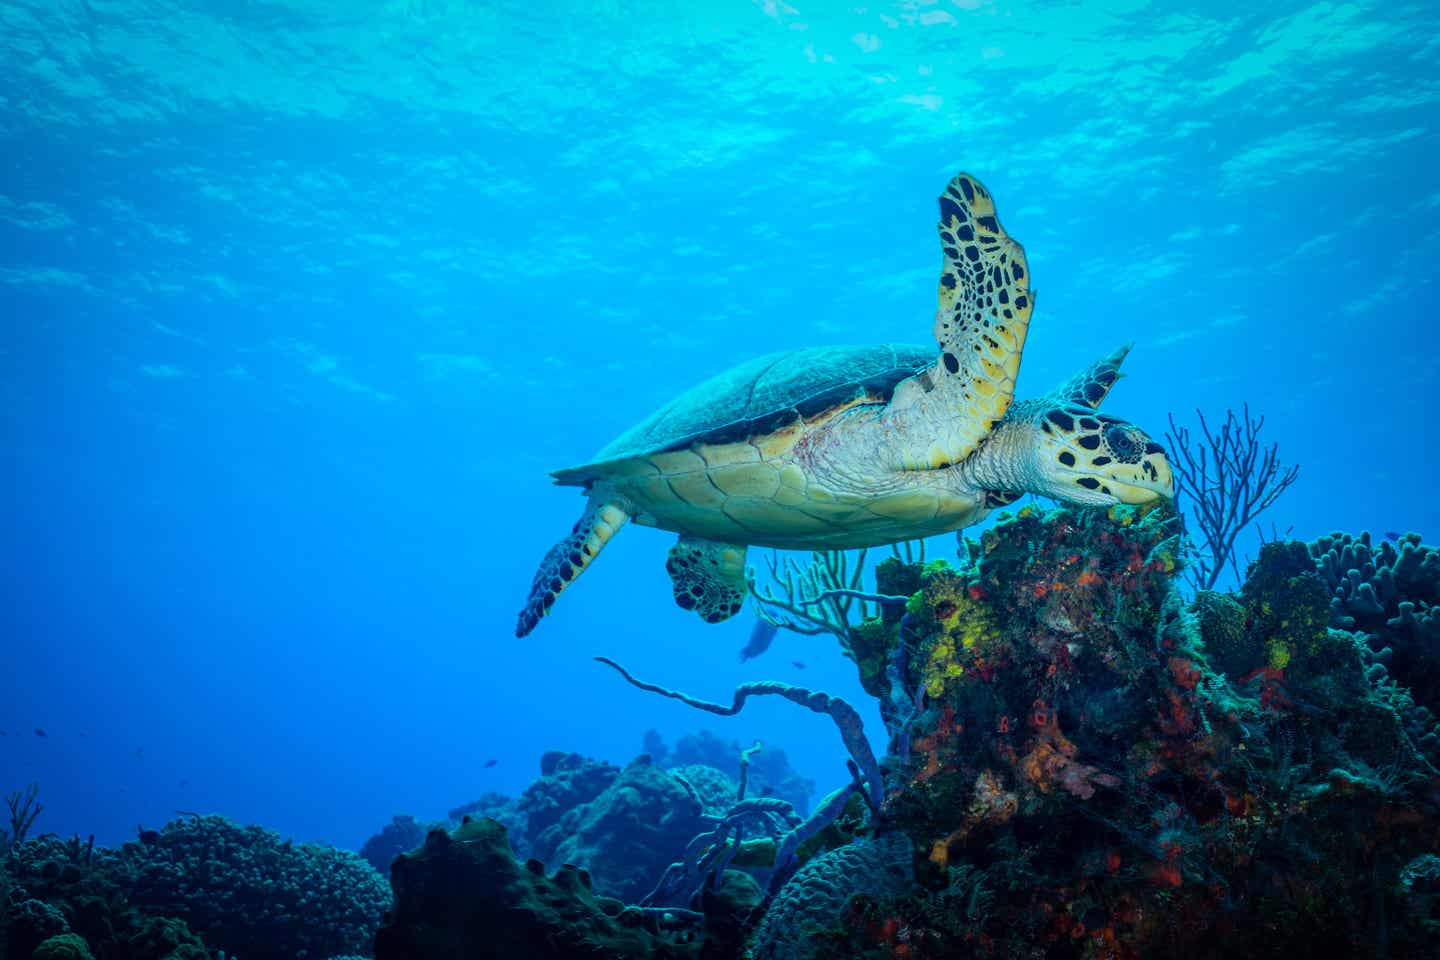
299	303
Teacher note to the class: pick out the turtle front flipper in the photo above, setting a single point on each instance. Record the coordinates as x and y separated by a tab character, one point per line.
564	562
981	321
709	577
995	499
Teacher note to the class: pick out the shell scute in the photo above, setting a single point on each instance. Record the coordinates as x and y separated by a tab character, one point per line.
764	401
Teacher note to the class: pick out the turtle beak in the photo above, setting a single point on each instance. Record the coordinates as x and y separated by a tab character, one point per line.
1151	481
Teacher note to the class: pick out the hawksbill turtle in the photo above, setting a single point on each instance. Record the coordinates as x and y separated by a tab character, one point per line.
829	448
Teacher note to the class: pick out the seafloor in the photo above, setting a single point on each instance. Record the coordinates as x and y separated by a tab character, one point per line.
1084	761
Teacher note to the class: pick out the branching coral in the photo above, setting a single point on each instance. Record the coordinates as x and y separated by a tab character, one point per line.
817	597
826	596
24	808
1229	479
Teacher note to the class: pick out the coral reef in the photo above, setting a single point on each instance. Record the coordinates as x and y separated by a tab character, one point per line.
1085	767
401	835
847	720
566	781
496	806
65	946
28	922
1390	592
1081	764
197	886
625	837
715	790
813	899
465	895
243	889
770	773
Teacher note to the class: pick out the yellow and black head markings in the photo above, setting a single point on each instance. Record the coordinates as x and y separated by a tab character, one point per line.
1094	458
833	448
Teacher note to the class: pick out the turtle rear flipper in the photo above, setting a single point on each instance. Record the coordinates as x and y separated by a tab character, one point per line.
1091	385
708	576
564	562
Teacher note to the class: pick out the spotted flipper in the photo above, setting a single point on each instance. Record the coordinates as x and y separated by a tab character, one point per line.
568	558
982	318
709	577
1091	385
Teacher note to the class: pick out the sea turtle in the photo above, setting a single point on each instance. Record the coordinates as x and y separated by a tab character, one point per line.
841	447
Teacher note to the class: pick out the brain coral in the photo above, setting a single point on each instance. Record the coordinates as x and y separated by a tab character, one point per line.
815	896
246	891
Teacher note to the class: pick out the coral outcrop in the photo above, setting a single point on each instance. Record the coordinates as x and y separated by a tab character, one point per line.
769	772
197	886
1390	592
248	892
465	895
567	780
401	835
1086	766
628	834
816	896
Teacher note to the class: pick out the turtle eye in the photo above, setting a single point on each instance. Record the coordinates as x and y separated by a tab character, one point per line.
1123	441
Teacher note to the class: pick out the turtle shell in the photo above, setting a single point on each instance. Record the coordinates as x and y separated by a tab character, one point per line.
765	394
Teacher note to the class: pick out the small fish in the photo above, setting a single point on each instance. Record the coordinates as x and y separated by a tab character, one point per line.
84	735
184	784
760	637
40	733
139	753
798	664
1392	536
491	763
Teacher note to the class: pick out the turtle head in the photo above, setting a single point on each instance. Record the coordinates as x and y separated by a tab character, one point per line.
1081	456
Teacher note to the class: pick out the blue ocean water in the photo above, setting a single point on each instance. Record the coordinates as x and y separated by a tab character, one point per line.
301	301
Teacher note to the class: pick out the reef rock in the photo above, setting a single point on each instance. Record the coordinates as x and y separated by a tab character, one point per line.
1086	766
465	895
566	781
629	833
769	772
401	835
